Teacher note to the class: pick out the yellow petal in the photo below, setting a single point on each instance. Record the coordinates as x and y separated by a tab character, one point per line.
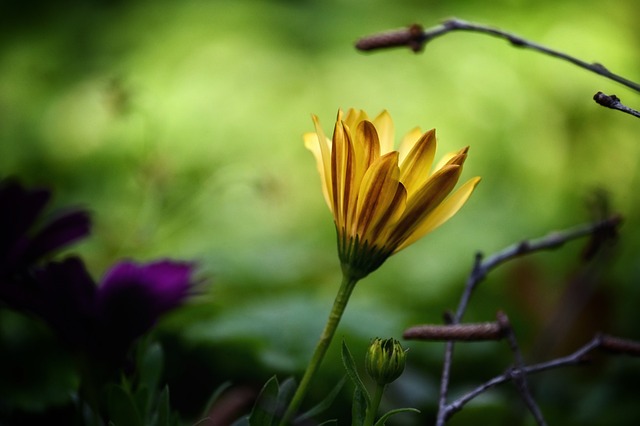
415	169
452	158
366	144
380	230
460	157
427	198
384	125
381	198
342	173
354	116
408	141
312	144
442	213
325	155
367	149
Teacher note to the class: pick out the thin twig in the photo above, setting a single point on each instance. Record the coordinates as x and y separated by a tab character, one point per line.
415	39
550	241
607	343
577	357
448	348
482	267
517	373
613	102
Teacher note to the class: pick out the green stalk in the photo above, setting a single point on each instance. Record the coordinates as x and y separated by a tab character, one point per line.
339	305
375	404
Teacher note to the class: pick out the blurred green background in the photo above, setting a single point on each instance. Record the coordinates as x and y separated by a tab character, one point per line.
179	125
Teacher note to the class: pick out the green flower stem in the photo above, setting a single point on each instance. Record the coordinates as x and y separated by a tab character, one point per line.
375	403
339	305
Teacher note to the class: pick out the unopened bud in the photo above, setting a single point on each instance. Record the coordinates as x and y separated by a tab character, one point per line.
385	360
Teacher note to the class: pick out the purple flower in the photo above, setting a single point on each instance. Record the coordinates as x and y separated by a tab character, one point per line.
24	241
162	284
133	296
106	319
103	320
64	296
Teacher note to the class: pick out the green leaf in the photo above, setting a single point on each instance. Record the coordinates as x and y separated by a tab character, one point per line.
322	405
214	397
386	416
285	393
329	422
359	408
263	411
352	372
151	366
243	421
122	410
143	401
164	408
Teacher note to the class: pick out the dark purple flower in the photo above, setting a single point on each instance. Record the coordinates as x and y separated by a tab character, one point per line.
104	320
64	296
20	244
133	296
24	241
162	284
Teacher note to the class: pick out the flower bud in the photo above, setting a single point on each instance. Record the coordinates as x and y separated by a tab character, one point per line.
385	360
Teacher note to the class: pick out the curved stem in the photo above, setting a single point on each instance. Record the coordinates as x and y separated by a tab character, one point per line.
339	305
375	404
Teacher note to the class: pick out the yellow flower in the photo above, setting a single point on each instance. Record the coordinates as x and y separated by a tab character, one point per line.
383	200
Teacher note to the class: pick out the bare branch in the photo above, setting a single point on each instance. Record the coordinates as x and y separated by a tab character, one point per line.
607	343
577	357
481	269
613	102
518	375
551	241
417	40
444	384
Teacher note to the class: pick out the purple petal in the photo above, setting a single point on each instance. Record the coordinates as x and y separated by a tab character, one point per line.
132	297
60	232
20	247
64	297
165	283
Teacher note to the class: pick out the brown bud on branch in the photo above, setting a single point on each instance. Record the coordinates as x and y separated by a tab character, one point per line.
457	332
613	102
411	37
619	345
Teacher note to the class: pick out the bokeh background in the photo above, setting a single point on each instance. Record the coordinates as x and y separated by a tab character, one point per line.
179	125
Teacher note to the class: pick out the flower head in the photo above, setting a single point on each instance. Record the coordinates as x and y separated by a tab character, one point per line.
383	200
132	297
385	360
107	318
